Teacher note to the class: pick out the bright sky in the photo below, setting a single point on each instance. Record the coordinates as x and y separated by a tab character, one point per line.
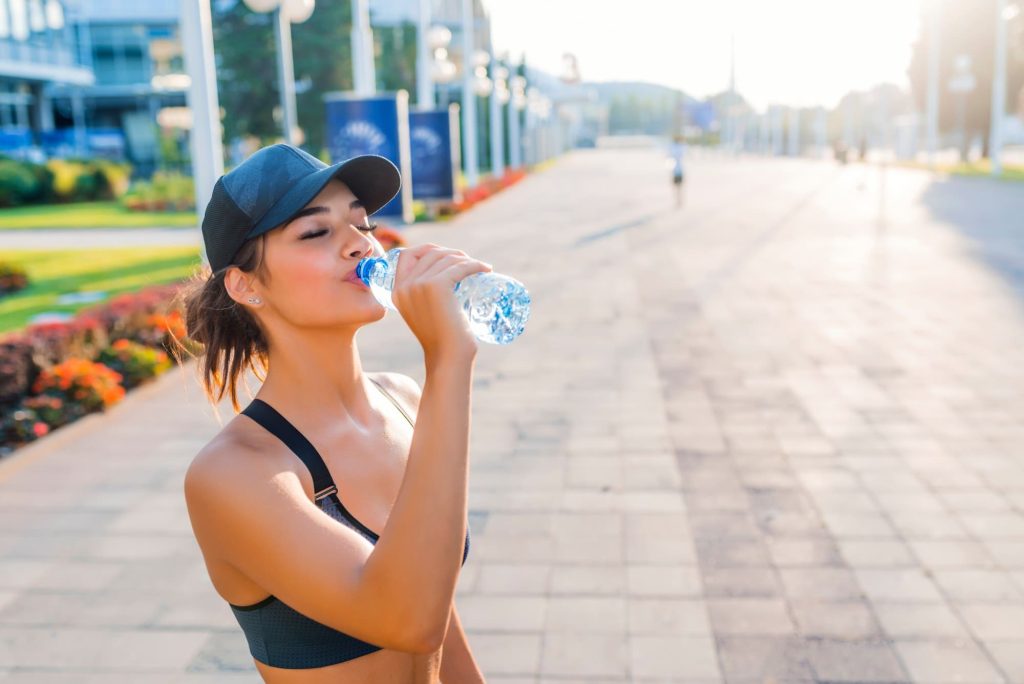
796	52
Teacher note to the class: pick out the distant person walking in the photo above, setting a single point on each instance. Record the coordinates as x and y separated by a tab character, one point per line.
676	153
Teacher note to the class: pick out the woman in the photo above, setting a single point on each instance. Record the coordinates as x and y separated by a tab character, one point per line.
331	513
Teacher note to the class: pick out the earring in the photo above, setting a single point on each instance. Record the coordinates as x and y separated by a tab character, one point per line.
254	300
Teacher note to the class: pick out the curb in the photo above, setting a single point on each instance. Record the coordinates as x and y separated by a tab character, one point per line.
41	448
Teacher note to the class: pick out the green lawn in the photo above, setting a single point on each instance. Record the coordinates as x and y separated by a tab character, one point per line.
91	215
978	169
53	273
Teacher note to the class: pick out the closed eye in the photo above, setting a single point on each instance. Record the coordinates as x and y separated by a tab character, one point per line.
314	234
368	228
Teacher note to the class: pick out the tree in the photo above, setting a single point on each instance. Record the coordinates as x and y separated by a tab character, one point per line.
247	68
968	28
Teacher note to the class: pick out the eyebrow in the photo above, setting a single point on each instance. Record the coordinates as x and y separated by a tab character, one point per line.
314	211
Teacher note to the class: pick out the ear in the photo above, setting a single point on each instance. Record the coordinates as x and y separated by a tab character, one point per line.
241	287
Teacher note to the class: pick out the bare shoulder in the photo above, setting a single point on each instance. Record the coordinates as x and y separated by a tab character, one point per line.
401	386
238	462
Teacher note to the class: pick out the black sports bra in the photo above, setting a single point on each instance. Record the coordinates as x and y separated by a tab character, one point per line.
279	635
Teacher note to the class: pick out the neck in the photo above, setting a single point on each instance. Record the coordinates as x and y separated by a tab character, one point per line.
317	376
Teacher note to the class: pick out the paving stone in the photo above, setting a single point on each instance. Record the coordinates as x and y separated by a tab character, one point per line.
686	659
755	617
1009	656
970	585
763	659
854	661
503	578
507	613
661	580
876	553
947	661
574	655
680	617
506	654
907	585
915	620
848	621
820	584
586	614
994	622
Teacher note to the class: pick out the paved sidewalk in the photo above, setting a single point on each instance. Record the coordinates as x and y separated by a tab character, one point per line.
84	238
773	437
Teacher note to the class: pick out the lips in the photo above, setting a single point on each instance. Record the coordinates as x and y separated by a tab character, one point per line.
353	278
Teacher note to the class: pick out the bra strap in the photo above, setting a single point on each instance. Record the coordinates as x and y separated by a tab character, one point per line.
393	400
264	414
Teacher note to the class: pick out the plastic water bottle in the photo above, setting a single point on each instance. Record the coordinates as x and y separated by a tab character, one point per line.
497	306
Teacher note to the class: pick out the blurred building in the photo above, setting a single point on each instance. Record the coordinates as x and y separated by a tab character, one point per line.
39	50
89	77
134	51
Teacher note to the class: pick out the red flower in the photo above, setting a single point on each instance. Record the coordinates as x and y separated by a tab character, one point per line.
40	429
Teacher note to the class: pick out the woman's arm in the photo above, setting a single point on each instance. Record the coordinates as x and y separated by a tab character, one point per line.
457	663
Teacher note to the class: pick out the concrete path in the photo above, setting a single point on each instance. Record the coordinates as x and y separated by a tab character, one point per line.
84	238
774	436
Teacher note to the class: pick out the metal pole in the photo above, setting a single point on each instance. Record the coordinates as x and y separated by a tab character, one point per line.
285	74
497	130
794	133
515	144
197	46
934	36
469	127
365	78
424	85
995	146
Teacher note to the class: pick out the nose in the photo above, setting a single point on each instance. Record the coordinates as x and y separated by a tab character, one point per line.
359	245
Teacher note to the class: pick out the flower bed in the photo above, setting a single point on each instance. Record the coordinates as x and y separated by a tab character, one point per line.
52	374
12	278
487	187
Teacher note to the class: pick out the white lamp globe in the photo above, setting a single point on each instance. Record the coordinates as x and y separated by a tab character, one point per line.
19	19
299	11
262	6
54	15
36	17
439	37
500	73
481	58
517	83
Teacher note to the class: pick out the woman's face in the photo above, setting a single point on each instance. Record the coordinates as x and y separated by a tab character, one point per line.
311	263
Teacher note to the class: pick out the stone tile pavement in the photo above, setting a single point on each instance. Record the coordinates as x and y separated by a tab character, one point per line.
771	437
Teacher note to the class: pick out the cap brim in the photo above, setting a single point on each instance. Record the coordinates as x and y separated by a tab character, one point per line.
373	179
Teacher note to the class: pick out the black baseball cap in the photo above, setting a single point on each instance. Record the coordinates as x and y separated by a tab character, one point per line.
275	183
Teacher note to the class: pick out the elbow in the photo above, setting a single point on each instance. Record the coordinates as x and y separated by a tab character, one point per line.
428	640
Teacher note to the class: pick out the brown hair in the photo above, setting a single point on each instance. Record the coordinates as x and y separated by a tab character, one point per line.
231	338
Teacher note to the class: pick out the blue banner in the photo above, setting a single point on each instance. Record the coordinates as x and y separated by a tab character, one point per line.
433	153
701	114
378	124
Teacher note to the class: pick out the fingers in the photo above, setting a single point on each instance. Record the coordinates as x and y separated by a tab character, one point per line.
449	260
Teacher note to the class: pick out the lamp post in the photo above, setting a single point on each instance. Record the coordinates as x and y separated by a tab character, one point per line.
424	63
482	85
469	133
442	69
934	36
518	102
995	148
197	47
364	74
499	98
286	12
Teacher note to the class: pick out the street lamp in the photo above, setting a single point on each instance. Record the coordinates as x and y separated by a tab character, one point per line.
517	95
286	12
499	98
442	70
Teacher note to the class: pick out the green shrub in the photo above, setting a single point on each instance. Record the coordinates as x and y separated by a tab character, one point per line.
135	362
164	192
18	185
